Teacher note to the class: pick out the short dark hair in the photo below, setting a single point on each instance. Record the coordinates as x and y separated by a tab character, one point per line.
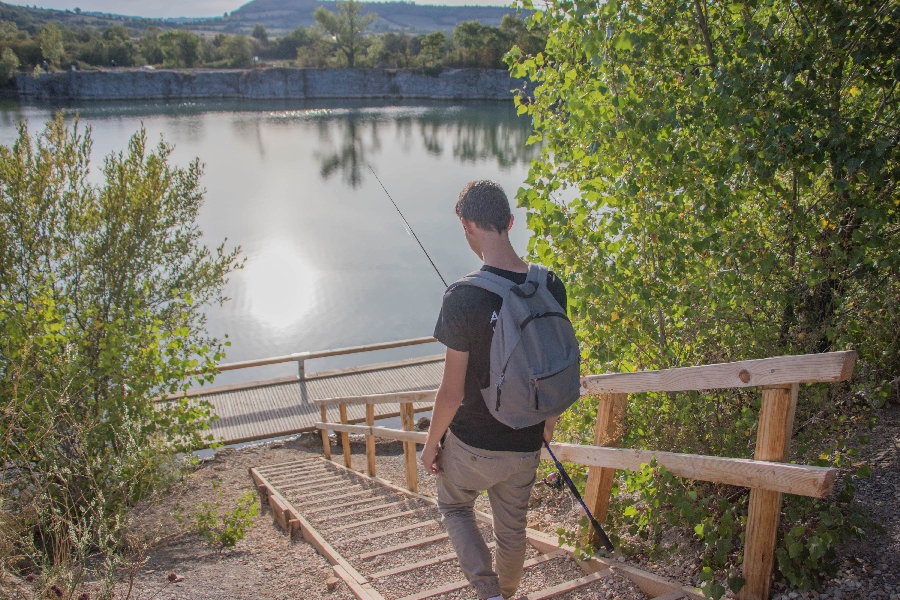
484	203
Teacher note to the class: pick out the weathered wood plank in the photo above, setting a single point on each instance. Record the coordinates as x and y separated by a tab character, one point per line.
803	480
607	432
345	439
363	591
806	368
391	398
460	584
407	417
313	511
370	440
326	443
382	432
764	511
567	586
404	513
297	356
360	511
418	565
405	545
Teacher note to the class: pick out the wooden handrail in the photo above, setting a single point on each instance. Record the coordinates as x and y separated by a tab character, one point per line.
781	370
389	398
302	356
802	480
768	476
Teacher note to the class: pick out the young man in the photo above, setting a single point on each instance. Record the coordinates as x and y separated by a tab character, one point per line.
467	448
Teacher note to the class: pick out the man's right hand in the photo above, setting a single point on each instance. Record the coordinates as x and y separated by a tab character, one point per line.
431	459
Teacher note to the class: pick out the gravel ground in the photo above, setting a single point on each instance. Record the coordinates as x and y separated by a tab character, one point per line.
871	567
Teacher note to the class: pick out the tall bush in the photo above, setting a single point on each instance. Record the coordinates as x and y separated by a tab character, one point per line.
719	182
102	289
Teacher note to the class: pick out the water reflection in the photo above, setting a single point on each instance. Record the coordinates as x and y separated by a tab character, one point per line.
353	137
351	157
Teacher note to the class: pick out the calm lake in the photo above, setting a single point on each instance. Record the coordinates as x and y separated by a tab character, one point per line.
329	262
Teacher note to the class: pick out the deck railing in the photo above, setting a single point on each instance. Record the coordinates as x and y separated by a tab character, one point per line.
301	357
768	475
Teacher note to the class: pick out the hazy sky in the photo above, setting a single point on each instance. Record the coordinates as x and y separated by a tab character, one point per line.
193	8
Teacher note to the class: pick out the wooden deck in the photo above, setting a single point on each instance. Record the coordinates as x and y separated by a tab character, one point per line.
266	409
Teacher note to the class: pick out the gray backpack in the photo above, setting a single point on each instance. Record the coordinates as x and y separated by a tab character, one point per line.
535	361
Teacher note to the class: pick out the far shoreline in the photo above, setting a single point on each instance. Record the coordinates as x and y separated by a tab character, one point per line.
272	83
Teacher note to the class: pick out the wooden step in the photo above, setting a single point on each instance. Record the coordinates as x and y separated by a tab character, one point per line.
313	511
310	488
418	565
350	495
567	586
289	477
315	497
378	534
411	544
673	595
295	470
376	520
459	584
361	511
301	462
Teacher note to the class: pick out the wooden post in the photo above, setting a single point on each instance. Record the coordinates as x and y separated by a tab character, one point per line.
370	439
326	444
407	417
345	437
607	432
764	514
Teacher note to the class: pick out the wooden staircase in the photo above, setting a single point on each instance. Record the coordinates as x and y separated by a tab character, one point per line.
387	543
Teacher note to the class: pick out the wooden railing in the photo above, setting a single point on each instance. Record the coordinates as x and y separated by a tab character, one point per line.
768	475
301	357
406	400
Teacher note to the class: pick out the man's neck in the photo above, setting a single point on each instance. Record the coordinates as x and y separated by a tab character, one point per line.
501	255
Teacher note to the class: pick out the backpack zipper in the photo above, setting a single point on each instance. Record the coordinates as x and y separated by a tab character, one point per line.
537	405
499	383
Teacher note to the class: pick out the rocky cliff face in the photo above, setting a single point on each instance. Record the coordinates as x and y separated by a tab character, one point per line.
276	83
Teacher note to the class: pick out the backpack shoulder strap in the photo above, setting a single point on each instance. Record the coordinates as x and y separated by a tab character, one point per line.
486	280
538	274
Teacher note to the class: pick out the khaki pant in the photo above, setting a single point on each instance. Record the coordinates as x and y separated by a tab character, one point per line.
508	478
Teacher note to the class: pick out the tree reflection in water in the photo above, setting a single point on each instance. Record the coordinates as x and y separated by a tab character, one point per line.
475	133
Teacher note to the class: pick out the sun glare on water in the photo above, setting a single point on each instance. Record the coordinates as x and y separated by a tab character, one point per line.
280	283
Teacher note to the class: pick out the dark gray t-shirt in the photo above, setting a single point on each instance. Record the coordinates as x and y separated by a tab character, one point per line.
466	323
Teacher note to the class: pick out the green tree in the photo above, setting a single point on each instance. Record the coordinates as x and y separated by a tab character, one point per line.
102	289
318	52
236	51
180	48
259	33
286	46
9	64
434	46
346	26
480	45
719	182
52	44
149	47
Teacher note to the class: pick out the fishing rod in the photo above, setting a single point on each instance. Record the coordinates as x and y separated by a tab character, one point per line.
597	528
408	226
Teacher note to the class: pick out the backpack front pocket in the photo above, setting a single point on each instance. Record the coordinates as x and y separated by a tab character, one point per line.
559	387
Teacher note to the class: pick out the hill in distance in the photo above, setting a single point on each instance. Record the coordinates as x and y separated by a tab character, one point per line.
34	19
277	16
280	16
